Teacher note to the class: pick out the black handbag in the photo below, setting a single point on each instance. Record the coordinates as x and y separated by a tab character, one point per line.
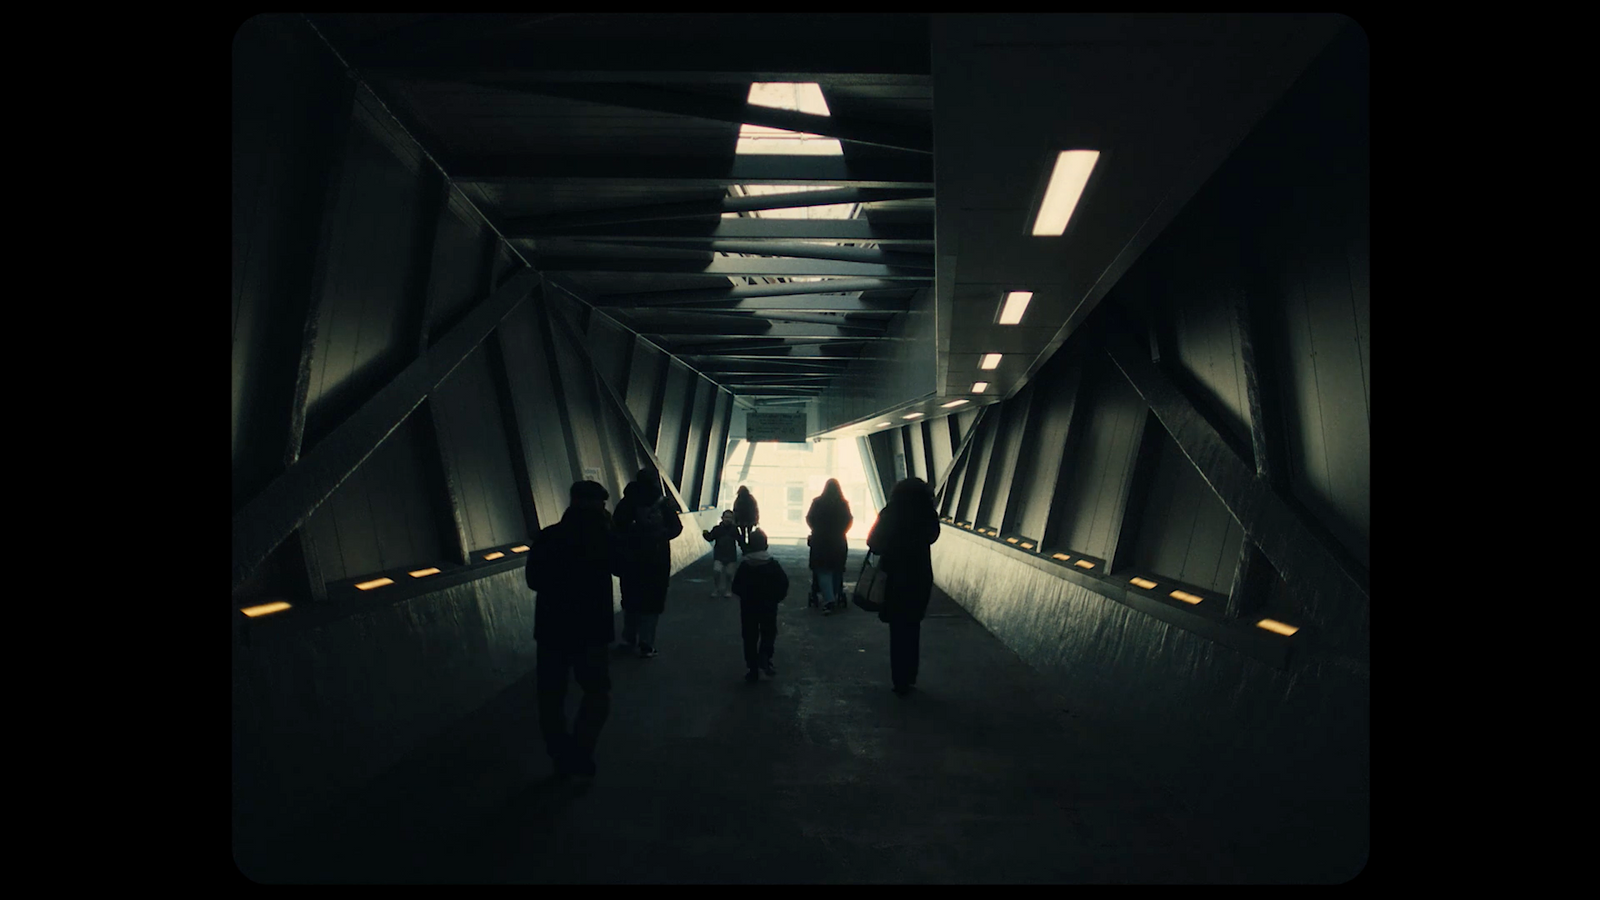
871	586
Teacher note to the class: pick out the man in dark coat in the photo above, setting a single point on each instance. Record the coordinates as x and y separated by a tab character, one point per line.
905	530
570	565
746	514
647	520
830	518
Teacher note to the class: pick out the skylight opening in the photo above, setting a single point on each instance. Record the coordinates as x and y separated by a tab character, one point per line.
803	97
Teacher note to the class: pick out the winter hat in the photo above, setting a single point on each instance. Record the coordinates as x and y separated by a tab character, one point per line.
757	541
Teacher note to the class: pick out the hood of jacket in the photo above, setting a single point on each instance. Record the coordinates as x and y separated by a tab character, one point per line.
758	557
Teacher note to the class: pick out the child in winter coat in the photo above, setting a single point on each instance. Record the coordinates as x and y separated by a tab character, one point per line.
760	585
725	555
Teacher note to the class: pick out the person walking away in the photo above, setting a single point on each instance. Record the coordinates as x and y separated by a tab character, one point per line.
905	530
760	584
830	519
724	554
746	514
647	521
570	565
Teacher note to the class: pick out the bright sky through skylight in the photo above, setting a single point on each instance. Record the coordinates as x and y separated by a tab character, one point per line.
802	97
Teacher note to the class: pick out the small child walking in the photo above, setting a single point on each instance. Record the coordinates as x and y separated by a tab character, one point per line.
724	555
760	585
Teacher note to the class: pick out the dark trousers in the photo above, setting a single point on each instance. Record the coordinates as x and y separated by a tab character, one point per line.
758	620
905	649
589	666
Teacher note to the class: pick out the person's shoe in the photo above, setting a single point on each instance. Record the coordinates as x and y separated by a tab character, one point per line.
752	676
647	652
767	667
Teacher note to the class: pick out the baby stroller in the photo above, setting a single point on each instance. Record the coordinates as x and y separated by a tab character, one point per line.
814	598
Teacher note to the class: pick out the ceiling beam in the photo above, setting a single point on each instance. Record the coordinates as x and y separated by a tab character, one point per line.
725	109
690	171
785	292
768	306
736	365
644	317
757	328
867	255
777	268
764	348
713	228
539	226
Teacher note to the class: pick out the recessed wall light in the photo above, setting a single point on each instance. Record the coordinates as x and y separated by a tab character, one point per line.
1084	564
1016	305
265	609
912	416
1276	627
952	403
1027	546
1011	540
521	549
1145	583
1186	597
374	583
1067	182
495	555
990	361
1061	556
423	573
883	425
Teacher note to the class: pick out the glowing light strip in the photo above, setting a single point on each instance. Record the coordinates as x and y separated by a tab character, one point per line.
1061	556
990	361
1067	182
1186	597
375	583
524	548
1027	546
1276	627
264	609
979	387
495	555
1142	582
912	416
1084	564
953	403
1016	305
423	573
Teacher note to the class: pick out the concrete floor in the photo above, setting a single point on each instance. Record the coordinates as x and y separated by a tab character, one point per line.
821	775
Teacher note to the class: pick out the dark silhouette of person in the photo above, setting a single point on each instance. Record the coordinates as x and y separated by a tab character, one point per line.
829	519
724	537
905	530
746	514
760	584
647	519
570	565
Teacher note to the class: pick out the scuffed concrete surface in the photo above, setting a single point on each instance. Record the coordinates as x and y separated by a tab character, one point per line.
821	775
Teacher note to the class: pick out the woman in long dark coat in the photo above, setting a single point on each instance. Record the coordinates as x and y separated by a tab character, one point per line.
829	518
648	521
746	514
905	530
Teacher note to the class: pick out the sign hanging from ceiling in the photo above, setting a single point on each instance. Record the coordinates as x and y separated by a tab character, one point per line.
789	428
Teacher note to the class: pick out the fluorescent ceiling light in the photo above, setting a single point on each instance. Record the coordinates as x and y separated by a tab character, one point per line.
375	583
521	548
1011	540
1186	597
990	361
1066	186
1027	546
495	555
423	573
1084	564
1016	305
912	416
1061	556
882	425
952	403
1145	583
979	387
800	97
264	609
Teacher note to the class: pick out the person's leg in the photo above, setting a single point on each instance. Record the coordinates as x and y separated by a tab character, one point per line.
551	666
898	650
913	651
749	628
827	588
769	636
590	668
630	628
838	589
647	633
